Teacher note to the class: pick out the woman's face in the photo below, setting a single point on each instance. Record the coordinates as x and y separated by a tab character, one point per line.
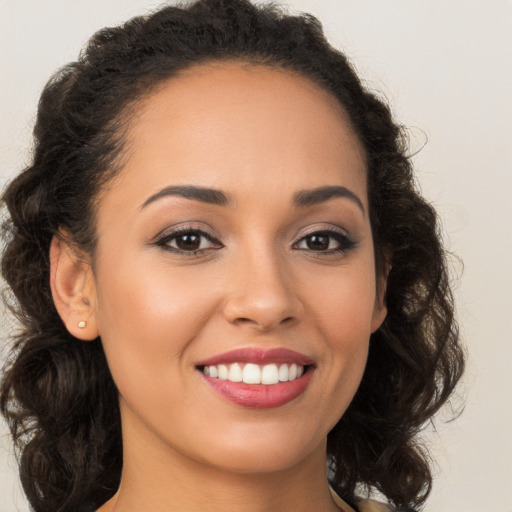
236	244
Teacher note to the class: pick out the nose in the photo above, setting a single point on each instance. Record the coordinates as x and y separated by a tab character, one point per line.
262	293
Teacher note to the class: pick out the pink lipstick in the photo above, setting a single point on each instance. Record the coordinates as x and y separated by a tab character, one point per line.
258	378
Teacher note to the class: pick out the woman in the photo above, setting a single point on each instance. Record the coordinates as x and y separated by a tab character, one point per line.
226	278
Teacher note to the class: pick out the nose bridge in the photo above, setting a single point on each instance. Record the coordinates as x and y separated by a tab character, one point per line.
261	289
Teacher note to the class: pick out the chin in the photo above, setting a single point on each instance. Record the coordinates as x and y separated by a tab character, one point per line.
263	450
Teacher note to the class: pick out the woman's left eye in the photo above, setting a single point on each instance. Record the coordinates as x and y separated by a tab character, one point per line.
189	241
325	242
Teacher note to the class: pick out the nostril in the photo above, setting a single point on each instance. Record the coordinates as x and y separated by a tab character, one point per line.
244	320
263	313
263	325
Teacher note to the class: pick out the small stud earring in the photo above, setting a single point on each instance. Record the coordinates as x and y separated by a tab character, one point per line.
81	324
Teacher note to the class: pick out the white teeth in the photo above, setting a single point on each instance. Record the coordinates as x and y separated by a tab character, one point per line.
222	371
270	374
251	373
235	373
283	373
292	374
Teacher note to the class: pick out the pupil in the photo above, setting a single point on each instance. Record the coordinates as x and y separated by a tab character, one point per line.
188	242
318	242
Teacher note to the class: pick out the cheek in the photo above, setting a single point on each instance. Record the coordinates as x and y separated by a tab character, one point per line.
147	319
343	302
342	308
345	326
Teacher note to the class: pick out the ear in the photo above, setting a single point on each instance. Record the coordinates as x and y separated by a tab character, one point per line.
380	309
73	290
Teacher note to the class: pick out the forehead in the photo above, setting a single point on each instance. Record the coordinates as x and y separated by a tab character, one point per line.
258	125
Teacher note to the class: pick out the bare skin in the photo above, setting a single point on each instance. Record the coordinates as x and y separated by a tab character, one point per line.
268	272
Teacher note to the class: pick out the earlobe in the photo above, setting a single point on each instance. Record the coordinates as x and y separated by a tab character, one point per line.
379	314
380	309
73	290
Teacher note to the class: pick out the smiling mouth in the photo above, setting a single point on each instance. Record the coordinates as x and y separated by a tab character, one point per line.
250	373
258	378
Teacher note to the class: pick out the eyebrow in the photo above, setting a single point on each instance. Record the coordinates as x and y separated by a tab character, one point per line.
202	194
319	195
301	199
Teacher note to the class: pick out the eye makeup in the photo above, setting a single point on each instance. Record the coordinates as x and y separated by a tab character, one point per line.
187	240
325	241
190	240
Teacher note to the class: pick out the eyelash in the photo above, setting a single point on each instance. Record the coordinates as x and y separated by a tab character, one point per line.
165	240
344	242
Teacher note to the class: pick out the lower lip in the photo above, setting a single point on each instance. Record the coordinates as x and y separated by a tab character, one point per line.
260	396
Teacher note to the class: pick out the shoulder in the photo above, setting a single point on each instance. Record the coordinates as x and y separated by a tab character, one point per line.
372	506
359	504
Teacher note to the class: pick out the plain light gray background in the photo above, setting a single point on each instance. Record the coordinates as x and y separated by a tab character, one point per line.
446	68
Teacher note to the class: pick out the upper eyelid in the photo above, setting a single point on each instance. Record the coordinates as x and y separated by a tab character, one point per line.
344	238
163	241
175	234
324	229
170	232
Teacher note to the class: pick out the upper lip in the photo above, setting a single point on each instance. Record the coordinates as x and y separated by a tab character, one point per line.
258	356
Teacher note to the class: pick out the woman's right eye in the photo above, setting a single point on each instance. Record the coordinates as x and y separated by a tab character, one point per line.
188	242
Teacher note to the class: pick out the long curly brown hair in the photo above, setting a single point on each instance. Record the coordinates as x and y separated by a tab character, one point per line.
58	395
